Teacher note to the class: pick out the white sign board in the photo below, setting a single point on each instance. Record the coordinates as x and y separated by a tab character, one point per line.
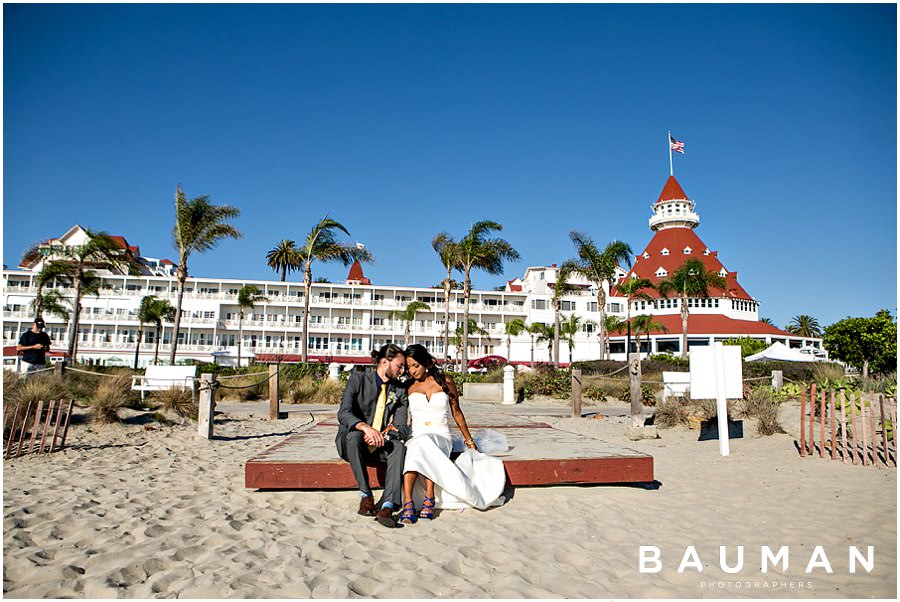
705	372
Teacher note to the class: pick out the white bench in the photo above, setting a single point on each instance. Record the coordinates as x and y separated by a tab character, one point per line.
676	384
160	378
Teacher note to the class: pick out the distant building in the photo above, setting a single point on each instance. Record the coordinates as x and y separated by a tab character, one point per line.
348	320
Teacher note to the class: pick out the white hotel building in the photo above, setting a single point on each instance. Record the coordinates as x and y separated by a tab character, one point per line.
348	320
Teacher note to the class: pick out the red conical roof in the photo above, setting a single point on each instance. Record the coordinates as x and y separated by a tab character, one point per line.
672	190
356	274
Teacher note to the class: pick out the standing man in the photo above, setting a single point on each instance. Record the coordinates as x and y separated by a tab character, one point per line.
34	344
373	426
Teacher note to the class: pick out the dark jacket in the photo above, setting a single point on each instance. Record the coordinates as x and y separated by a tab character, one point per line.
358	405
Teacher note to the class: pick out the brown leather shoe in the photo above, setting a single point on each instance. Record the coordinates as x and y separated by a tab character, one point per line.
385	516
366	506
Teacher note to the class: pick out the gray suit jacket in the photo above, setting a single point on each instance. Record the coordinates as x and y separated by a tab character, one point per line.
358	405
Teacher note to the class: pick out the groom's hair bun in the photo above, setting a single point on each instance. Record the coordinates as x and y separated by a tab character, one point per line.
388	352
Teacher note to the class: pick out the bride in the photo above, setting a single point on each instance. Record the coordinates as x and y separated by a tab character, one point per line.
474	479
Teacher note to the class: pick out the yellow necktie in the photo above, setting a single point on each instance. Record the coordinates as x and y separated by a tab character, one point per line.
379	411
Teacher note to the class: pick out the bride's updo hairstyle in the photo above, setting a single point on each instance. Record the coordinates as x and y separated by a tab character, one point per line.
423	358
387	352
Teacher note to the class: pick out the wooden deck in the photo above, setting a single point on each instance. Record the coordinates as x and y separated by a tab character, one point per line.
539	455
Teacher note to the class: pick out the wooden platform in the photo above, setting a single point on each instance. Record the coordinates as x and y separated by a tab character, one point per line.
539	455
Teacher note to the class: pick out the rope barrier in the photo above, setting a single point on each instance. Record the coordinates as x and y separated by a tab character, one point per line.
218	378
93	373
39	371
219	385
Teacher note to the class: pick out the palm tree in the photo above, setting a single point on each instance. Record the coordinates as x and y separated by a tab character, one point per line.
159	310
534	329
612	324
199	226
804	326
692	279
767	321
52	302
545	334
513	328
569	329
448	250
283	258
631	288
561	288
76	264
52	271
143	316
247	298
645	324
478	251
599	267
408	316
322	245
459	336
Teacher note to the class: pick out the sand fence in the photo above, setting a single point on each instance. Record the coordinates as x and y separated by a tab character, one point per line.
855	427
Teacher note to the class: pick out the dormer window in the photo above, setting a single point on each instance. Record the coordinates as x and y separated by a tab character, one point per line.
661	273
646	255
664	252
634	276
723	273
687	250
706	251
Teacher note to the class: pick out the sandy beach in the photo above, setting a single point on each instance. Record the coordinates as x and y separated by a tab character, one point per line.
129	512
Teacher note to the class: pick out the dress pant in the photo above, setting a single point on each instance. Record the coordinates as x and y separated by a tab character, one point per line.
393	454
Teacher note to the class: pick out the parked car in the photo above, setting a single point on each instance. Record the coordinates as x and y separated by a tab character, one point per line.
487	363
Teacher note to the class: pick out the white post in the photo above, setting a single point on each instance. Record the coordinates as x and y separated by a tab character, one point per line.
669	144
721	404
333	370
207	406
509	385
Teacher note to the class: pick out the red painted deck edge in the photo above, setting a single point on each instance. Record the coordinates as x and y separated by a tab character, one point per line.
337	474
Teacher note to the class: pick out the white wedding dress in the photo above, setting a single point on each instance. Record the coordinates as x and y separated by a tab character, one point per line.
472	480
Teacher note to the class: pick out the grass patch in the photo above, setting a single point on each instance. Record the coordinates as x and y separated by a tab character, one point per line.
110	394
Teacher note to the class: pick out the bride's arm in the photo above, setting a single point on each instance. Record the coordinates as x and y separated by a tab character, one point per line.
453	393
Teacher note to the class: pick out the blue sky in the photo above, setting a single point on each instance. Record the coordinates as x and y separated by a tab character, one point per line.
401	121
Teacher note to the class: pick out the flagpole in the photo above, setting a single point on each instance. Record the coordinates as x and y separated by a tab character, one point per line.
669	144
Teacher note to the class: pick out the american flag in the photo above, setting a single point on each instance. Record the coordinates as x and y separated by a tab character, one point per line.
676	145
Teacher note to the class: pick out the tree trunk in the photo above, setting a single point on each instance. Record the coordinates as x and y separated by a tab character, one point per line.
556	334
865	373
307	281
684	325
137	350
283	272
39	303
182	277
532	352
447	315
406	335
73	338
508	347
467	291
601	307
240	335
156	347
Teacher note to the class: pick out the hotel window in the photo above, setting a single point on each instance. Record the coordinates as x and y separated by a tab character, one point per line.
661	273
613	307
538	304
592	306
567	306
646	255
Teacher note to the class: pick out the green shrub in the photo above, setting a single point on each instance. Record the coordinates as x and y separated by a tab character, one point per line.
748	345
801	372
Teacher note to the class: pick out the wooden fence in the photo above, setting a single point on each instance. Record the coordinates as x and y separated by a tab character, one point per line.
851	426
28	430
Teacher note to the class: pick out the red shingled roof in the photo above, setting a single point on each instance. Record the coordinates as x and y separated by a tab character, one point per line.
676	240
672	190
716	325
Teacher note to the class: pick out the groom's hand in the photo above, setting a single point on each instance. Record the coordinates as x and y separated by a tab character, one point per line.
371	436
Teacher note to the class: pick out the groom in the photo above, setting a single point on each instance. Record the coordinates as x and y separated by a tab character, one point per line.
373	417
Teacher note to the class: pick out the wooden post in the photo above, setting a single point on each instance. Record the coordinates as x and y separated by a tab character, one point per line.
853	429
24	429
59	413
576	392
884	439
205	411
62	442
12	430
634	375
59	369
822	423
273	392
777	379
803	422
47	422
864	429
833	424
873	438
812	419
35	427
894	429
843	426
